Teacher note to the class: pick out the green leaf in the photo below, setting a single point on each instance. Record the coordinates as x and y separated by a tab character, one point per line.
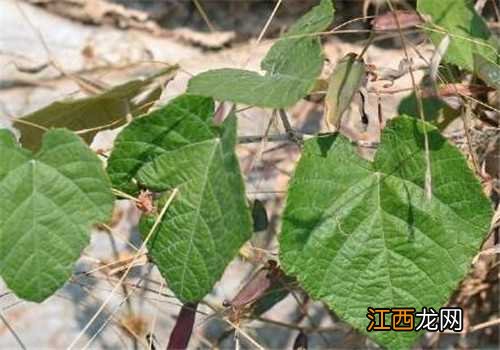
345	81
292	64
468	31
186	119
48	202
107	110
209	220
488	71
359	234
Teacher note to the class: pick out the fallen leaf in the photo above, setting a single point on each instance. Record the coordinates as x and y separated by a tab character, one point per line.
89	115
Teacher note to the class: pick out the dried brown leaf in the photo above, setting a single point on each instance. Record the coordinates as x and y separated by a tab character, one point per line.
387	21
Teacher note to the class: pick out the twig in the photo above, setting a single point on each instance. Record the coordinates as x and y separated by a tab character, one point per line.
125	274
204	15
110	318
243	333
97	128
293	135
420	108
269	20
485	325
119	193
109	230
302	328
260	138
301	135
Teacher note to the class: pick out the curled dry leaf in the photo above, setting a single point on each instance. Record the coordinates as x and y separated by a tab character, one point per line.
387	21
346	79
265	282
89	115
257	285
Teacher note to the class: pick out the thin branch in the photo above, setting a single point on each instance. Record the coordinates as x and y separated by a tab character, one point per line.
293	135
204	15
260	138
269	20
420	108
486	324
245	334
111	317
98	128
301	135
125	274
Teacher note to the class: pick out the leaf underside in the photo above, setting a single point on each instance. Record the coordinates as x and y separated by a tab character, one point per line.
103	111
359	234
47	204
292	65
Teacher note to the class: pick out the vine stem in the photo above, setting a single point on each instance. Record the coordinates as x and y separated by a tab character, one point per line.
420	108
286	138
125	274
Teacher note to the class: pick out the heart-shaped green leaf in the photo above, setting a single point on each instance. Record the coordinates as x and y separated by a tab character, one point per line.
209	219
48	203
359	234
468	31
292	64
183	121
